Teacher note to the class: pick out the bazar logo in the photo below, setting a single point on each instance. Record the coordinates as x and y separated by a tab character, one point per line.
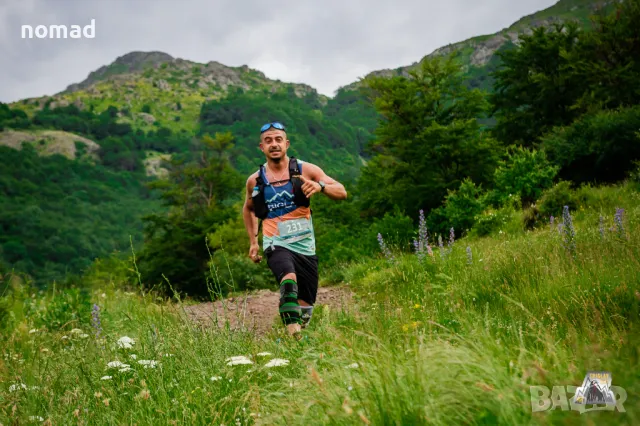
596	390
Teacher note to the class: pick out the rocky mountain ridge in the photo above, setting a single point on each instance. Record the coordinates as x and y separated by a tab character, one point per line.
478	51
154	88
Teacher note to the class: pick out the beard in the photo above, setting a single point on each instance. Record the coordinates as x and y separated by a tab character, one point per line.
276	159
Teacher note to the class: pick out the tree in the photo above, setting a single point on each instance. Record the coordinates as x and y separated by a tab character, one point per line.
199	194
428	139
607	59
599	147
535	88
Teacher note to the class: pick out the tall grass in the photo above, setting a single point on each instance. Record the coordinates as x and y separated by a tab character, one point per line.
437	341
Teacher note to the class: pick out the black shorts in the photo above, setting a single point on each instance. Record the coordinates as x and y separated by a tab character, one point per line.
283	261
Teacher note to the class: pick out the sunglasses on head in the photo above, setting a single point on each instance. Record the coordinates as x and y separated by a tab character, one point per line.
275	125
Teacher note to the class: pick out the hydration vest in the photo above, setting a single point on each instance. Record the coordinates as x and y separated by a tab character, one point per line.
260	206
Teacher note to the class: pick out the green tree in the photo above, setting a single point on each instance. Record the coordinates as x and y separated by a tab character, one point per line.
535	88
599	147
198	194
428	140
606	59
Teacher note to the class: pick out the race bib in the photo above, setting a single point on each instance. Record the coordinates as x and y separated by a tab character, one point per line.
295	229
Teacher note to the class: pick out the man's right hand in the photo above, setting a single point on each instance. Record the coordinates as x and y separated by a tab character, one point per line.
254	251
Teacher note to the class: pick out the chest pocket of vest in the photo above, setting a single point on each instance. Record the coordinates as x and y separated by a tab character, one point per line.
260	206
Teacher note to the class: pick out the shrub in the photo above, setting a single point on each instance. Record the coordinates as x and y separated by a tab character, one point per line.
459	211
634	174
531	216
525	173
600	147
492	220
396	228
554	199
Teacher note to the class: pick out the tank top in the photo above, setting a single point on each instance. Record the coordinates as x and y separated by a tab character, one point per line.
286	224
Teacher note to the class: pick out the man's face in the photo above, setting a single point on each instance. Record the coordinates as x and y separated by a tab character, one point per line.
274	144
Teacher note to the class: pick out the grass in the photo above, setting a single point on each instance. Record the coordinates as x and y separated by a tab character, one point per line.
449	340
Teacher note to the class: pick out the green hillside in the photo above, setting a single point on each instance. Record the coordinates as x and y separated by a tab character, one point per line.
154	89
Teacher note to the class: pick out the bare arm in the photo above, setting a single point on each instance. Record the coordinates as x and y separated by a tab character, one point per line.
333	189
251	221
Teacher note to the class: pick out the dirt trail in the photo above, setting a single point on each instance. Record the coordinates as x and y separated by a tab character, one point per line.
258	311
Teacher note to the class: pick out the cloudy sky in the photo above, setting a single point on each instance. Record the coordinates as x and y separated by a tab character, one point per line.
326	44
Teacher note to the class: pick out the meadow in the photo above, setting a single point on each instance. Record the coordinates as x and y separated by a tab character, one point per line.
454	334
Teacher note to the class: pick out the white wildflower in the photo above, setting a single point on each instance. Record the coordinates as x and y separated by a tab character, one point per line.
76	331
167	355
117	364
148	363
38	418
103	295
354	365
64	337
264	354
126	342
215	378
125	369
277	362
238	360
133	356
105	378
84	336
33	331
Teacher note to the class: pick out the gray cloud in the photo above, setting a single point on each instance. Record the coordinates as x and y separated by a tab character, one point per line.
324	44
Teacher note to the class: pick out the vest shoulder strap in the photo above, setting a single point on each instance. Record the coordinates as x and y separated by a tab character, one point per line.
259	180
293	167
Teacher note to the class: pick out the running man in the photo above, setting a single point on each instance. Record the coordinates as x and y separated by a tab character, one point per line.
279	194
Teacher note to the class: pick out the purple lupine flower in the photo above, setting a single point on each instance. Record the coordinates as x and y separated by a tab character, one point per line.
441	245
95	320
551	219
384	248
452	237
469	256
419	250
423	238
601	227
618	220
568	231
422	230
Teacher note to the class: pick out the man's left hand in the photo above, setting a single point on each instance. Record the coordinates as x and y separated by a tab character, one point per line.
309	187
